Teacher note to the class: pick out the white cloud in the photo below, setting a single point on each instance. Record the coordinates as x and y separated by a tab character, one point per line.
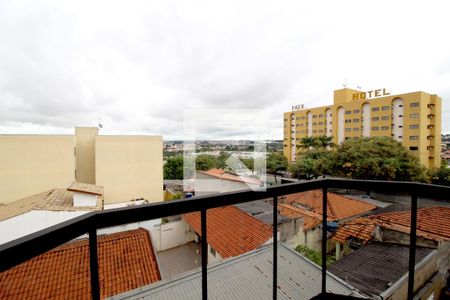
135	66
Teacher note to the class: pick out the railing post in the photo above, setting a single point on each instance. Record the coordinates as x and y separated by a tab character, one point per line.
93	264
324	240
412	246
204	255
275	246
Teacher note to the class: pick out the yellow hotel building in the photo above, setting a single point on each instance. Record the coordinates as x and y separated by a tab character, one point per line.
413	119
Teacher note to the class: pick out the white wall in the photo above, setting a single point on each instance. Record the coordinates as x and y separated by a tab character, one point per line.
340	124
206	185
329	119
397	119
33	221
170	235
366	119
83	200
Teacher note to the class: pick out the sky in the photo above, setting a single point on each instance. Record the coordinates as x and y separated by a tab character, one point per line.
136	67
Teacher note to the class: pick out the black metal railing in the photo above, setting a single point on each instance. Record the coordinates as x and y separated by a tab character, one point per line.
25	248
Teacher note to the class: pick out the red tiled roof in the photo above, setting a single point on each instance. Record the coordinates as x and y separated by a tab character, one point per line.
339	207
361	228
432	223
231	232
126	261
221	174
311	219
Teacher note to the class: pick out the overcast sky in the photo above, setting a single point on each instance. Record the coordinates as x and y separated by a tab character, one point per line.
136	66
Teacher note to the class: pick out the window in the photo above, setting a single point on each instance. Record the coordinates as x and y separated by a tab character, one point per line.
384	118
375	128
302	118
375	118
385	108
302	132
213	252
347	112
348	129
414	126
414	104
314	131
314	124
355	120
413	137
314	116
321	116
320	131
348	121
296	125
297	118
375	109
384	127
356	129
356	111
414	116
414	148
320	123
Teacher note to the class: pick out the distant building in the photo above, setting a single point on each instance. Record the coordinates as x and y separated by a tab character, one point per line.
380	271
413	119
128	167
126	261
249	276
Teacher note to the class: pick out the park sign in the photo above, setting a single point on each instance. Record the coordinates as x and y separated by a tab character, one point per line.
370	94
298	107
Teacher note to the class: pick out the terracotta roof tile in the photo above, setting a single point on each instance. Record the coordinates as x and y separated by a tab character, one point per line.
231	232
311	219
339	207
222	174
126	261
432	223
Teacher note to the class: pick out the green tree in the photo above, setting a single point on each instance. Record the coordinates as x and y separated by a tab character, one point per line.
221	160
324	141
378	158
440	175
312	164
313	255
205	162
173	168
307	142
276	161
248	163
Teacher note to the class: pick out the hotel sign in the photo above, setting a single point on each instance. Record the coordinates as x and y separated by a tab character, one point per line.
370	94
298	107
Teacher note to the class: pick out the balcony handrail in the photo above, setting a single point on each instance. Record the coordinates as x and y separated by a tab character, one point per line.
22	249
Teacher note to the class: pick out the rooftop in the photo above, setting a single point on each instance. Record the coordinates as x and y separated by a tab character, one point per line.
433	223
310	219
248	277
54	200
126	261
339	207
222	174
375	267
231	232
262	211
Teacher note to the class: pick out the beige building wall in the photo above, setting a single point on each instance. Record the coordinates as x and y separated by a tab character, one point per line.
31	164
85	154
129	167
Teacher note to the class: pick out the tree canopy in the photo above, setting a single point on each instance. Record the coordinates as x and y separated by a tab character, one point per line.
173	168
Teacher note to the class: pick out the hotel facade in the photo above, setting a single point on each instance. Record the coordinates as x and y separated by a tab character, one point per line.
413	119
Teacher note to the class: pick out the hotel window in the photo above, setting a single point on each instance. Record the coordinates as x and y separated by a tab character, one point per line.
320	131
414	116
348	121
414	126
302	124
355	120
356	129
385	108
413	137
376	128
414	104
321	116
375	118
348	129
314	124
384	118
297	118
302	118
302	132
314	131
414	148
384	127
347	112
296	125
314	116
356	111
285	120
320	123
375	109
